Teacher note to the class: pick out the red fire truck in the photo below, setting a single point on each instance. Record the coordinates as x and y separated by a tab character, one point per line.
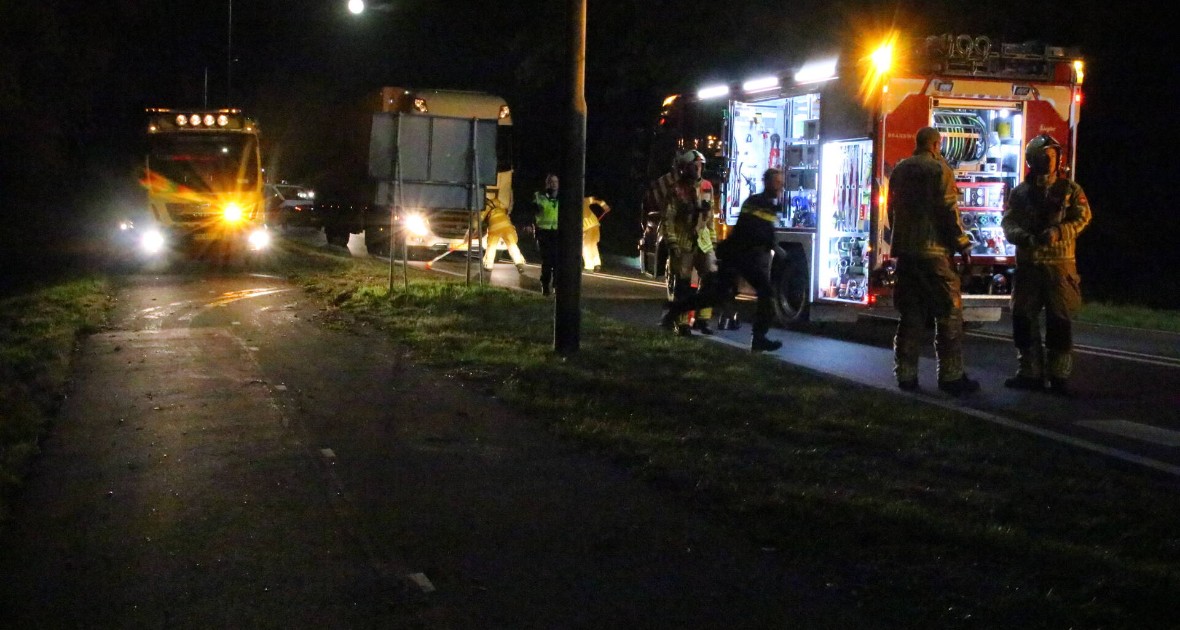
838	125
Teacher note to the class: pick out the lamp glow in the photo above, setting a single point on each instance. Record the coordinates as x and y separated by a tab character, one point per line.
417	225
713	91
356	7
232	212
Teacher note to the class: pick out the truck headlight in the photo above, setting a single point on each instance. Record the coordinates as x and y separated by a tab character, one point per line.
152	241
259	239
417	225
232	212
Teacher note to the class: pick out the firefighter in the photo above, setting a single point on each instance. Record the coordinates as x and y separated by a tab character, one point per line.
923	209
1044	217
746	253
545	230
689	233
592	232
500	228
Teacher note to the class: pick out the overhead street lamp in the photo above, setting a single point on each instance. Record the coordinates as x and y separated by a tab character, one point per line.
357	7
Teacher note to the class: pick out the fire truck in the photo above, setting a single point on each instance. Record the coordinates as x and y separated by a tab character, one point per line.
433	224
837	126
203	177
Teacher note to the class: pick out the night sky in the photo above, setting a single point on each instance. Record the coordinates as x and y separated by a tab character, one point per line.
75	78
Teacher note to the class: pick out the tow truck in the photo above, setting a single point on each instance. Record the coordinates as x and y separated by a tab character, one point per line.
838	124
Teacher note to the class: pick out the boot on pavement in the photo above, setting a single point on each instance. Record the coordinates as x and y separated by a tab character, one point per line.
702	326
960	386
762	343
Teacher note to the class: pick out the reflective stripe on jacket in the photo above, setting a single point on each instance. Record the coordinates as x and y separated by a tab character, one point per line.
755	225
497	220
923	208
1034	207
589	219
688	216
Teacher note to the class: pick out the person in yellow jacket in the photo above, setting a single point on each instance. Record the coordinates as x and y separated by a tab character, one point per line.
592	232
496	217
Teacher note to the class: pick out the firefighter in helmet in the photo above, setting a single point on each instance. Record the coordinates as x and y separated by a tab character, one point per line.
1044	216
923	210
690	236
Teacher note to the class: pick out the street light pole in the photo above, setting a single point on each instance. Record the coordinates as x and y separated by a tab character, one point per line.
567	314
229	56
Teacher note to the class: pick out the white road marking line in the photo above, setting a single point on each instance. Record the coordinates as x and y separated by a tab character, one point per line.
1134	430
1110	353
328	453
1070	440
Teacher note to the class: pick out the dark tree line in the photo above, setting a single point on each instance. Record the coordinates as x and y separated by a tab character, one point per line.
75	77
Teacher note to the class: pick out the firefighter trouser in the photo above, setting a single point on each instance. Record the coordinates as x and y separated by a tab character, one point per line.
547	243
753	266
1056	290
590	255
683	263
509	238
928	288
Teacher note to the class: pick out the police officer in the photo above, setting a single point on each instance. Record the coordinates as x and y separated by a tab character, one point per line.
923	210
546	231
689	233
746	252
1044	216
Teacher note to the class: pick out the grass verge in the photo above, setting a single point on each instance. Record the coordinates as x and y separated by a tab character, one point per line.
38	331
1130	316
916	515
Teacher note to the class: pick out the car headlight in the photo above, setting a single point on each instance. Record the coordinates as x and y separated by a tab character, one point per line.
417	225
232	213
259	239
152	241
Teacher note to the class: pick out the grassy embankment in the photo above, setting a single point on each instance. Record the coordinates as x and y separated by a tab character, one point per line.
919	516
38	330
1130	316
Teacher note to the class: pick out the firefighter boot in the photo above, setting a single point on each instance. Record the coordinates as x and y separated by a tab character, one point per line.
762	343
1030	371
1060	365
959	387
701	325
1030	354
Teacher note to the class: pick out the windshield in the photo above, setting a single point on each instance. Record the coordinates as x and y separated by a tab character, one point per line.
205	162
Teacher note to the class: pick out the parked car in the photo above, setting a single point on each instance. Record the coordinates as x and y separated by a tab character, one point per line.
290	206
